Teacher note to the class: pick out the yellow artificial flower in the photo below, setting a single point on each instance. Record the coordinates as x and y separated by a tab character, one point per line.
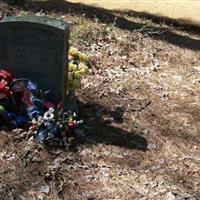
75	68
73	51
81	65
77	75
76	71
82	57
83	68
72	67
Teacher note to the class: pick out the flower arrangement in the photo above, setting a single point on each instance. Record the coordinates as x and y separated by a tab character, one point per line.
78	68
24	105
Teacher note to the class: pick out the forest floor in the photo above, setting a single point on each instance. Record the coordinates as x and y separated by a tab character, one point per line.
141	107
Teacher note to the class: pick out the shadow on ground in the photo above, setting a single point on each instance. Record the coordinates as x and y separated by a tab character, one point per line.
101	129
108	16
183	24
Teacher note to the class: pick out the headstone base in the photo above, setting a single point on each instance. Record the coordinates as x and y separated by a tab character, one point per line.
71	102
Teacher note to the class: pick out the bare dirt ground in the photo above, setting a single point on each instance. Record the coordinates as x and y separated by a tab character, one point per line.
141	107
186	10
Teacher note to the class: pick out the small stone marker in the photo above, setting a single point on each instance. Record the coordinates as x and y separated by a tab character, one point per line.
36	48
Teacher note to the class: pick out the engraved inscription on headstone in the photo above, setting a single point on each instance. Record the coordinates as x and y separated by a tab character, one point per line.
23	55
35	47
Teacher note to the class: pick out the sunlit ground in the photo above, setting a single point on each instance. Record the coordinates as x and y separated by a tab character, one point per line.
177	9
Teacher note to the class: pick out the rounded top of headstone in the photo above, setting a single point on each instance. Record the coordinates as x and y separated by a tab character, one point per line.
38	19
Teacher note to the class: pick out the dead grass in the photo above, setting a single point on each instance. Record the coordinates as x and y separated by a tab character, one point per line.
141	108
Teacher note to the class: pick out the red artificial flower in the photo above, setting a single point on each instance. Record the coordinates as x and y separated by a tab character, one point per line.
6	75
71	124
4	90
2	85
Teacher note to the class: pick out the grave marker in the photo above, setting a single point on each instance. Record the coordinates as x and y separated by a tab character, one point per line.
36	47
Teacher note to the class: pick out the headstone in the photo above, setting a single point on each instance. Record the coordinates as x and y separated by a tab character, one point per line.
36	48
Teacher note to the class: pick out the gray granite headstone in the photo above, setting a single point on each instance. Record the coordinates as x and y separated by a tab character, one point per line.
36	48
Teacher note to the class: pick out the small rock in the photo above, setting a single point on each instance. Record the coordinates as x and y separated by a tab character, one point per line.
146	132
44	189
142	190
90	195
41	196
170	196
40	13
18	131
177	78
85	152
106	153
151	146
31	139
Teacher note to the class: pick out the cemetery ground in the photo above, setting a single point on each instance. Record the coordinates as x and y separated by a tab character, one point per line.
141	109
